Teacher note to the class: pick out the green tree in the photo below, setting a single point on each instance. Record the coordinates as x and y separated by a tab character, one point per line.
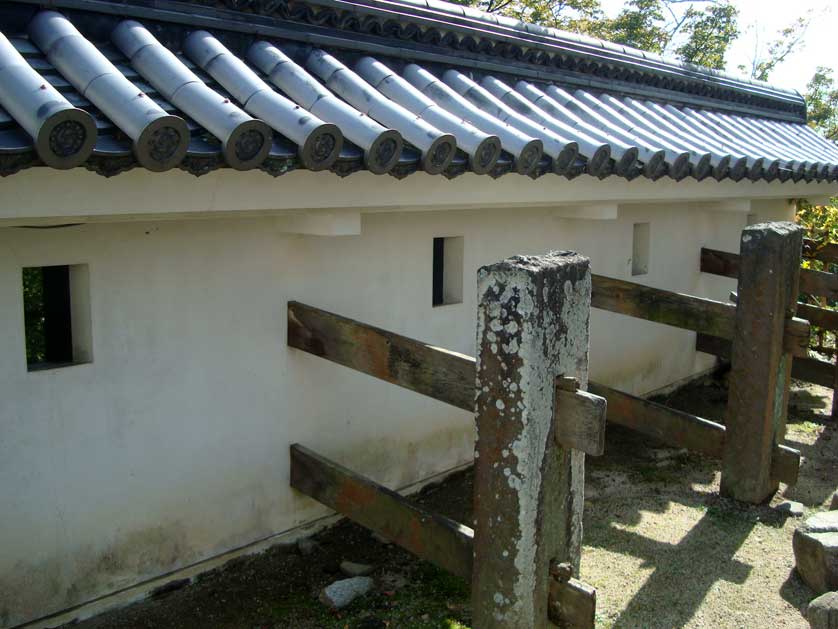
641	24
698	31
33	313
709	35
572	15
822	103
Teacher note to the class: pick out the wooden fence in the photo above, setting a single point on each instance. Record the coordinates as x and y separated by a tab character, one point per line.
524	551
528	499
761	333
817	283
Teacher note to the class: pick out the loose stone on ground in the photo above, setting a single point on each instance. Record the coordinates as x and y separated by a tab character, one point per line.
791	508
306	546
823	612
352	569
341	593
815	545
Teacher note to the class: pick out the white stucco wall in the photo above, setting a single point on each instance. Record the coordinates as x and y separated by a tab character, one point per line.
172	445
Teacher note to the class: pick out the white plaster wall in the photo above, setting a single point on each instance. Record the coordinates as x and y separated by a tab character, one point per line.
172	446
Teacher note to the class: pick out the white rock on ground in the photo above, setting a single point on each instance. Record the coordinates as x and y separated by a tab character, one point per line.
823	612
306	546
381	539
352	569
341	593
815	546
791	508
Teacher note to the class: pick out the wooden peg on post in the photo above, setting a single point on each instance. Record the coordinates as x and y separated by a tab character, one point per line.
532	327
769	270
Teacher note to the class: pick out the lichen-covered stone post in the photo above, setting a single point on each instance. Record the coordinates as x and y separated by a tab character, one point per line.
769	271
532	327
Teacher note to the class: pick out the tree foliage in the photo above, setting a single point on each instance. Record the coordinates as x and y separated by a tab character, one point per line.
579	16
709	34
822	103
641	24
33	314
698	31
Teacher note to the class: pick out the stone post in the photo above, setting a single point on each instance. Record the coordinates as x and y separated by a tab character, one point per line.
532	328
769	271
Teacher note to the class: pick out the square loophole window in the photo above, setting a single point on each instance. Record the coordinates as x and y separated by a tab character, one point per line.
640	249
56	314
448	271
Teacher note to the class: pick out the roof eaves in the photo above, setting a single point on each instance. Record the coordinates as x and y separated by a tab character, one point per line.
455	34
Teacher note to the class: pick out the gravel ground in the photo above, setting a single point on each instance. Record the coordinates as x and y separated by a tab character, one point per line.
661	547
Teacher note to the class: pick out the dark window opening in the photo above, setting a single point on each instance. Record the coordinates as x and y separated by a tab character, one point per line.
640	249
439	270
448	271
56	316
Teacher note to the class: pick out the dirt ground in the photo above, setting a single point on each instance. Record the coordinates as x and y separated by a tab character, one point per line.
661	547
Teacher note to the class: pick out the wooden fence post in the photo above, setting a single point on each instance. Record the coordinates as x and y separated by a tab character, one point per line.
769	273
532	327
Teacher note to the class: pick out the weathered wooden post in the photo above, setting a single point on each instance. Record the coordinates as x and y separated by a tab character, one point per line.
532	334
769	271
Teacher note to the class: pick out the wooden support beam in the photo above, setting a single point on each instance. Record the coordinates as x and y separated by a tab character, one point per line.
821	317
433	371
579	418
698	314
452	379
683	430
571	603
769	273
718	262
434	538
823	251
431	537
812	282
532	327
662	306
819	283
807	369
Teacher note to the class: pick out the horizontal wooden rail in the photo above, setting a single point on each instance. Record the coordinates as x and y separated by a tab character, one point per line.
727	264
434	538
807	369
698	314
663	306
433	371
404	361
823	251
683	430
429	536
821	317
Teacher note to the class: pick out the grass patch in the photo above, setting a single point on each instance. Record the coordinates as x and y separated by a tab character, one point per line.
805	427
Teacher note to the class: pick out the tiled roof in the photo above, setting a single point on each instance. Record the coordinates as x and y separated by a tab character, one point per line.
81	89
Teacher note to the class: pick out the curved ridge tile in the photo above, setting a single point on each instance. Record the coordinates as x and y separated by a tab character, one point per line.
382	147
525	149
160	140
482	148
63	135
245	141
319	143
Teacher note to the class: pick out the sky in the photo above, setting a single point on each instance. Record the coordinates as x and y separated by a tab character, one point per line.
759	21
